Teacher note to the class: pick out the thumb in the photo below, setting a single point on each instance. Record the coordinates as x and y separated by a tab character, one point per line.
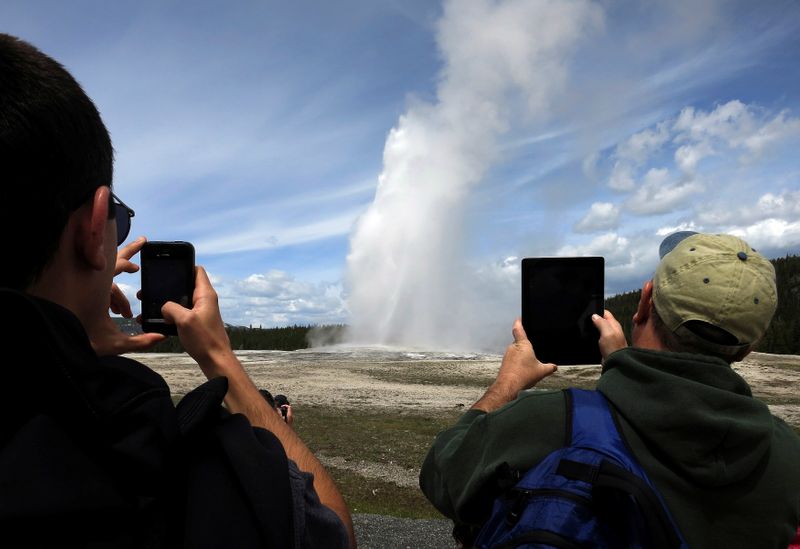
600	323
606	324
518	331
548	368
173	312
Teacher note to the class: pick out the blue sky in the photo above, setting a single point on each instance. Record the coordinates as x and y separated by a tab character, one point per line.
258	131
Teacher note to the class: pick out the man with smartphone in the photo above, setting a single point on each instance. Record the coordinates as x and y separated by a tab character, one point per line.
93	451
725	467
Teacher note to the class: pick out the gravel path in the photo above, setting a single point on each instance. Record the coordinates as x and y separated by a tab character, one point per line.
382	532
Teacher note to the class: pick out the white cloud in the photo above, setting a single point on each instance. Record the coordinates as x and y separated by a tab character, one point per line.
609	245
276	298
687	226
635	152
629	260
601	216
641	146
732	129
589	165
776	130
733	125
687	157
784	205
622	177
659	194
266	234
770	234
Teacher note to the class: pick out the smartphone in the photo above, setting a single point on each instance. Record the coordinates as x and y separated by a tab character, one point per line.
559	297
167	275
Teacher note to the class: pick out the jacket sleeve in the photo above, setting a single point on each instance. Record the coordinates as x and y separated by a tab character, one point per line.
315	525
461	471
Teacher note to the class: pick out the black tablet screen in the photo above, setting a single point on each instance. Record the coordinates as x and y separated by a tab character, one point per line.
559	296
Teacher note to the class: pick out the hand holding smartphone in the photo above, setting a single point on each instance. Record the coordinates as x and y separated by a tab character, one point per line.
167	275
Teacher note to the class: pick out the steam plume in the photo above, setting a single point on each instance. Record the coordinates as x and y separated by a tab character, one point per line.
408	280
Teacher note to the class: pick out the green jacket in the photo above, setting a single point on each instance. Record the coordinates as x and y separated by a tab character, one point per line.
728	469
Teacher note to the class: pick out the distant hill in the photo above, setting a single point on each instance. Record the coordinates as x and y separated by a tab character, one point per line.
783	335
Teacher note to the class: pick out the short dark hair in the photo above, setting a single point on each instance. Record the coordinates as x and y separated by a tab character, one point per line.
55	152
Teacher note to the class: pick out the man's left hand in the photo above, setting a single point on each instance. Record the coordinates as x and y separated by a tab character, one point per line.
105	336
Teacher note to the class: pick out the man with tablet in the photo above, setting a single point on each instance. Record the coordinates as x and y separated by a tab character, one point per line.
724	466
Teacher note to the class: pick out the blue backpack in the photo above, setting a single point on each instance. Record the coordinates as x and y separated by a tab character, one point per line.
591	493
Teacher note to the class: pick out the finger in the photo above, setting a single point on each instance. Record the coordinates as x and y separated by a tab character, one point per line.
142	342
119	302
125	266
289	415
130	250
518	331
202	285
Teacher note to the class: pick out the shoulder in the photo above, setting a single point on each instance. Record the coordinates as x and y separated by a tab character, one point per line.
126	382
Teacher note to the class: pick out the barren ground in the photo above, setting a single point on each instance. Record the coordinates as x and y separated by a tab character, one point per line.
435	384
396	406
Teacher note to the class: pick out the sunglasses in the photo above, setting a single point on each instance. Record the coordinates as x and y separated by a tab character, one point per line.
123	215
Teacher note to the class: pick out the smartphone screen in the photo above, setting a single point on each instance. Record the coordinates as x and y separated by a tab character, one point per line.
167	275
559	296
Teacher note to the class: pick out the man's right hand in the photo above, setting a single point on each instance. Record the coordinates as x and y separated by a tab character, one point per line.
200	328
612	338
203	335
519	370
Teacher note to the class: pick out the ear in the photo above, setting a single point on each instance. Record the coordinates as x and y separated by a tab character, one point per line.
94	238
645	304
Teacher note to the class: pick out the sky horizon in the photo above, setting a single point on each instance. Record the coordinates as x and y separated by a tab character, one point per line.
269	134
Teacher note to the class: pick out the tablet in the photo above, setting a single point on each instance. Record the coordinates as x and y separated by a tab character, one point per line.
559	296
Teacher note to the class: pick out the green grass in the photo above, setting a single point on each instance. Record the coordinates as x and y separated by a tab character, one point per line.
364	495
431	379
398	437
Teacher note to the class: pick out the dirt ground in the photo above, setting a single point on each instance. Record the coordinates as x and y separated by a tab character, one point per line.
323	379
363	384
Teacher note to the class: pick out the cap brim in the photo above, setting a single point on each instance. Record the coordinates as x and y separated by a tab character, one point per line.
669	243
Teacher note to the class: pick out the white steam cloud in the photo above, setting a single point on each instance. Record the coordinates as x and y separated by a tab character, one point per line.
408	278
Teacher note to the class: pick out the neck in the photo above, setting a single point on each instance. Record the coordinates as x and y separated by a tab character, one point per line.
645	337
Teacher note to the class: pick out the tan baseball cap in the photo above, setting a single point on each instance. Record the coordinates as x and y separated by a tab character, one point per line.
715	279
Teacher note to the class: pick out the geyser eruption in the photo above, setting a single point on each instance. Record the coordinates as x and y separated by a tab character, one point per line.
408	278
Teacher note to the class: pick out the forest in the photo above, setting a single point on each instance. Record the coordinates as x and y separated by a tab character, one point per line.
783	335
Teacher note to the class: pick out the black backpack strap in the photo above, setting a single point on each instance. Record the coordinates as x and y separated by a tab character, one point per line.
238	490
661	531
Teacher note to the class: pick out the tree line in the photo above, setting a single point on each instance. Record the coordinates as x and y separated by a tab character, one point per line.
288	338
782	337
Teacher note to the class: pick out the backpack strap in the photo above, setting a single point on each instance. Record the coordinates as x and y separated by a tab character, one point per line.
593	426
